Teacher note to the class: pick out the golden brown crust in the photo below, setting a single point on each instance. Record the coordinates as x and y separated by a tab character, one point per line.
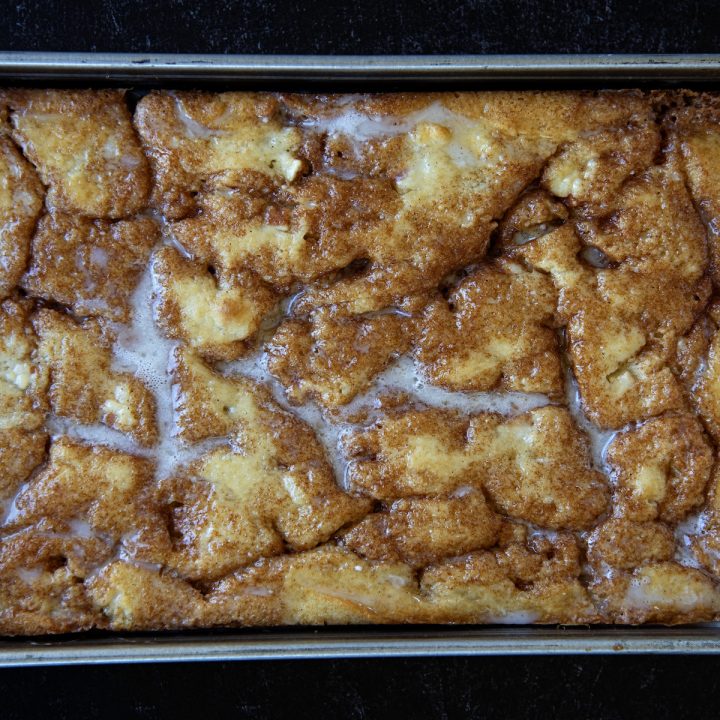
396	358
698	360
627	544
590	171
658	593
270	489
199	139
21	196
533	579
702	537
328	584
84	148
21	451
92	266
691	121
22	399
128	596
631	284
23	382
92	485
662	468
42	588
535	466
82	384
215	315
331	357
421	531
494	331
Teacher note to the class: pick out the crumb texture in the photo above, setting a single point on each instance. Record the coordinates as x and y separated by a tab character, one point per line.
271	359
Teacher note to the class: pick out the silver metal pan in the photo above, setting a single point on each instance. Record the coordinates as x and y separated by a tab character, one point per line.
339	72
334	70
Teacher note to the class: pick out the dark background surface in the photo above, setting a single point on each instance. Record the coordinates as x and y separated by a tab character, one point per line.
540	687
493	688
324	26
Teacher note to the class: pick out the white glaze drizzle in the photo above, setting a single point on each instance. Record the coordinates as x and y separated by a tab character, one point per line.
599	439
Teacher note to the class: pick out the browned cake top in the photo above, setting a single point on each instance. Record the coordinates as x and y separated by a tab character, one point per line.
270	359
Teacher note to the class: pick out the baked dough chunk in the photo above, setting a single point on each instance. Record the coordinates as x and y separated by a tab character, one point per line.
92	266
535	466
41	580
21	451
318	225
79	510
216	315
198	140
659	592
327	585
626	544
22	398
76	512
84	386
21	195
331	357
536	213
458	163
88	490
494	331
134	597
695	131
652	227
225	514
206	404
83	145
271	488
420	452
662	468
419	531
628	296
621	379
699	367
530	578
658	291
589	171
701	532
698	361
22	385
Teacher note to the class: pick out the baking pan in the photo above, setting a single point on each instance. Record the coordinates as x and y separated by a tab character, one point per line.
114	68
339	72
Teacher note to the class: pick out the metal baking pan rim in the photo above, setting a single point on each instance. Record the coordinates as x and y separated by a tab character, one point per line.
357	642
373	641
489	68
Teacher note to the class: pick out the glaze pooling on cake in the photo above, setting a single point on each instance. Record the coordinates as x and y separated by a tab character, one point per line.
274	359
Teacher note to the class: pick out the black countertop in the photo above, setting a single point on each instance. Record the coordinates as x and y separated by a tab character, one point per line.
537	687
385	26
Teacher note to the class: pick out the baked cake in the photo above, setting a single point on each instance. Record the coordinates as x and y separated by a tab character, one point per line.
277	359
